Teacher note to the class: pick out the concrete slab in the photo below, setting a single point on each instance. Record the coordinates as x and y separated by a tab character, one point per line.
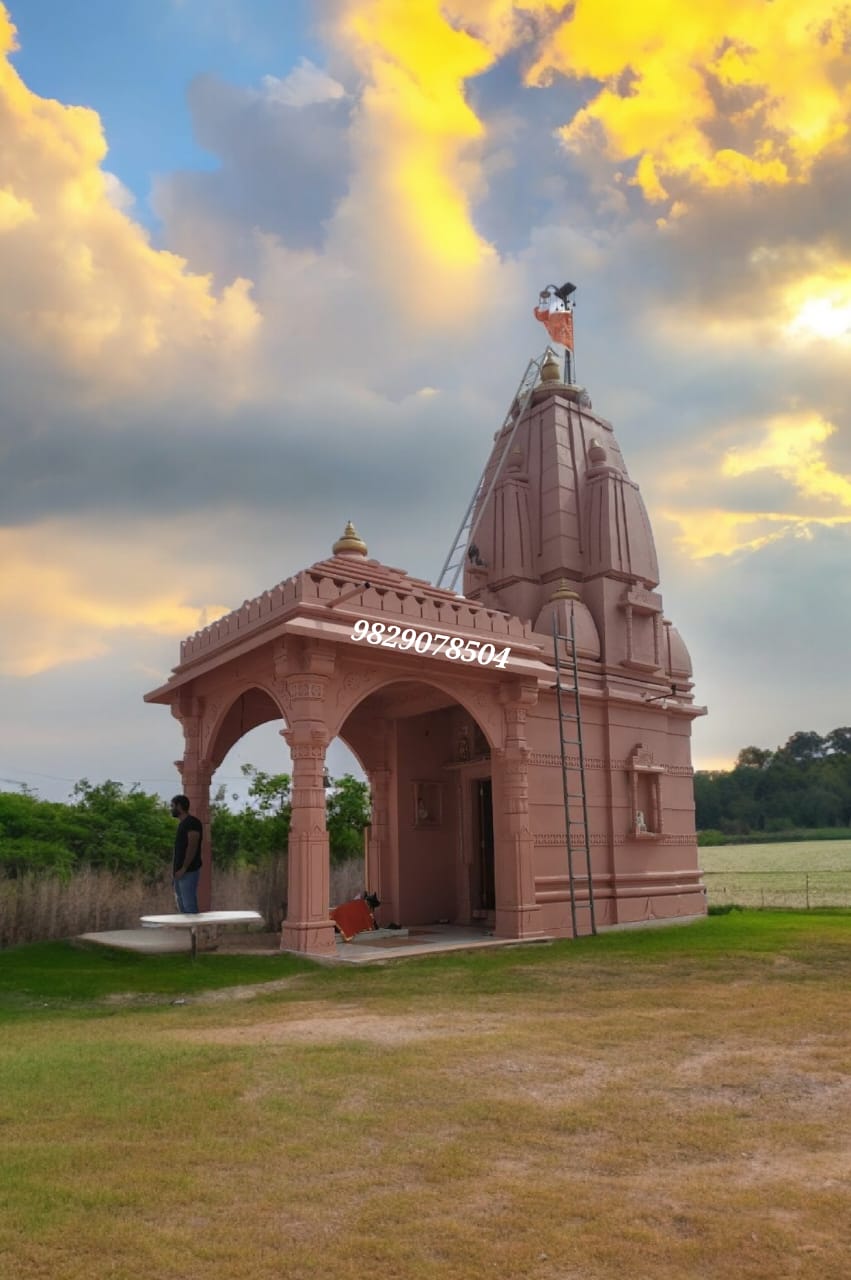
429	940
366	948
374	947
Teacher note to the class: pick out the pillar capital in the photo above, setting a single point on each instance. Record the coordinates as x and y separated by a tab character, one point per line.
310	735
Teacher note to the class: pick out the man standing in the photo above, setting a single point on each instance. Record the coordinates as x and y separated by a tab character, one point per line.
186	866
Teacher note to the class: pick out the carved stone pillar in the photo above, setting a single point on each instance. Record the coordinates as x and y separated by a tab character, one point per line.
196	773
517	911
308	927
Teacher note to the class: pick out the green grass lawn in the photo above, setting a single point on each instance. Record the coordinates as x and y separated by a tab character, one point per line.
658	1104
58	975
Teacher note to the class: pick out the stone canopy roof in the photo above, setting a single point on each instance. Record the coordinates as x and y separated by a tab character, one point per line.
346	586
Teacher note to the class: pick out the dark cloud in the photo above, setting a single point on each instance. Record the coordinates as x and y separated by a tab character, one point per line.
292	456
757	625
282	169
530	177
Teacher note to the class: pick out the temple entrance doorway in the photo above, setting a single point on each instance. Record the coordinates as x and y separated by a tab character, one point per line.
482	887
430	846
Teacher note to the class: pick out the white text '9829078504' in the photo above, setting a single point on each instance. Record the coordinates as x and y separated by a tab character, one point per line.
452	647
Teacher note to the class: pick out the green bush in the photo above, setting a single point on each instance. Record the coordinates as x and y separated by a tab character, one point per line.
127	831
712	837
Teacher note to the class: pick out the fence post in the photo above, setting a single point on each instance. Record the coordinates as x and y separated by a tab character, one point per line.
807	887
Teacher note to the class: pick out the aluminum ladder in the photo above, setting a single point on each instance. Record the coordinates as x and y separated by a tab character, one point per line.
576	829
455	560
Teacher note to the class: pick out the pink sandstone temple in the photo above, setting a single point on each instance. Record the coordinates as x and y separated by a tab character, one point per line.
463	755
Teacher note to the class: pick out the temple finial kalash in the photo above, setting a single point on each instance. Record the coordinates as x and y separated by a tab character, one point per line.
350	544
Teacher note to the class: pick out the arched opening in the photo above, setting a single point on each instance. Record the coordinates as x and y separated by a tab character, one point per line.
251	707
249	732
431	845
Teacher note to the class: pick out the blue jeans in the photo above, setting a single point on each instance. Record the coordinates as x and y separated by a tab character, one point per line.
186	892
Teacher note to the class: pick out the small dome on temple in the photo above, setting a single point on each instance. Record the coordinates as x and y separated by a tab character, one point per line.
564	591
351	544
561	604
551	368
678	659
596	453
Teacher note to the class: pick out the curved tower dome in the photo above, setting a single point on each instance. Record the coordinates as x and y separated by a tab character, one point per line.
564	507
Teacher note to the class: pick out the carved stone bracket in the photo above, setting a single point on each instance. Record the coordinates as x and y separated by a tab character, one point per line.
299	687
518	693
280	661
320	658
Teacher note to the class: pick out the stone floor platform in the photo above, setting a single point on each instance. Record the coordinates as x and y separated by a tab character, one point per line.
365	948
421	940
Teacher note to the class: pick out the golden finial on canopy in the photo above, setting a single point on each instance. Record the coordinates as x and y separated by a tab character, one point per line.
351	543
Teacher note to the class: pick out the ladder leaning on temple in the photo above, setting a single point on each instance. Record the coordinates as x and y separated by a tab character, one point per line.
455	560
577	842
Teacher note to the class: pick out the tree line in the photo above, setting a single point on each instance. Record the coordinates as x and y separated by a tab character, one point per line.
127	830
804	785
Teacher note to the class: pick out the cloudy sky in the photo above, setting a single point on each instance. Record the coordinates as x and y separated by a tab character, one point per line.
268	265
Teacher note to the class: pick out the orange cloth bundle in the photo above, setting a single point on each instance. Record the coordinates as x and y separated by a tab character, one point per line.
352	917
558	324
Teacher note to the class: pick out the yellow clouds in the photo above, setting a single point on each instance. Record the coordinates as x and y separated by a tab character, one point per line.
8	32
81	279
13	211
820	304
698	97
418	143
791	449
717	95
68	596
705	531
410	201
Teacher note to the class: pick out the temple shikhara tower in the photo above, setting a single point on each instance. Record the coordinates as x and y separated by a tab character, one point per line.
450	704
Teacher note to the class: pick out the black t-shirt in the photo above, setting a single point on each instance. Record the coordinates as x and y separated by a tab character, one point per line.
181	840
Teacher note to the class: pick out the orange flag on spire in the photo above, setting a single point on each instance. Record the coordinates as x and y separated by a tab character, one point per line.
557	318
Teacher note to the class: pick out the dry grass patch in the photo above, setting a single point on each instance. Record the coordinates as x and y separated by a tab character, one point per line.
596	1113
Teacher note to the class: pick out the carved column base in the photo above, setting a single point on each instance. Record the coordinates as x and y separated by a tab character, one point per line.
518	922
310	938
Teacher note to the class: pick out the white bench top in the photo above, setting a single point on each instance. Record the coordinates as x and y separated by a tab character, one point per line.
182	920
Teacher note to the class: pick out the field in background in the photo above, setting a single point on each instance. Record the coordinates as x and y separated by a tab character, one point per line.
803	874
667	1103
